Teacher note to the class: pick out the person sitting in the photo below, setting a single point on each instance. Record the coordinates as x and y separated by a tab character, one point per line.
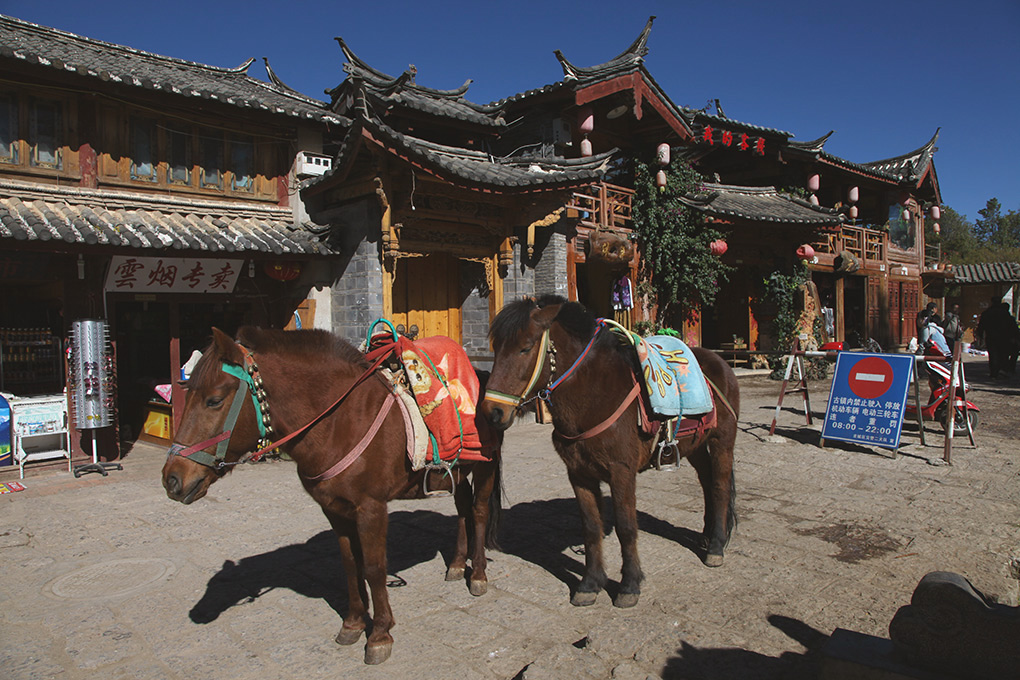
933	343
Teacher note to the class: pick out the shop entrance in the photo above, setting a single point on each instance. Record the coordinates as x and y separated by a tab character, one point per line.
426	294
141	333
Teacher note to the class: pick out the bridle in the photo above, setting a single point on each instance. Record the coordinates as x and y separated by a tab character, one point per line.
546	348
251	381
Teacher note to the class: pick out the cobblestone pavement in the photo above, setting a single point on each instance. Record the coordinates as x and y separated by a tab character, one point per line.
106	577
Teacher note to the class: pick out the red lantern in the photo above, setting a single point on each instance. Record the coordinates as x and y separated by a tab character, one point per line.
906	215
813	182
805	252
282	271
718	247
852	212
660	179
812	199
585	147
662	153
937	228
586	120
936	212
853	195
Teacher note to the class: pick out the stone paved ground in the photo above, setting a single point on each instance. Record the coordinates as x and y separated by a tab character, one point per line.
106	577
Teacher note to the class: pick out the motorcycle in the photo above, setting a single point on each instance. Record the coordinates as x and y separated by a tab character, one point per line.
937	407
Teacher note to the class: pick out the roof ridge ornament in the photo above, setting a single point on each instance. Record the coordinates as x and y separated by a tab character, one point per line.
243	68
275	79
631	56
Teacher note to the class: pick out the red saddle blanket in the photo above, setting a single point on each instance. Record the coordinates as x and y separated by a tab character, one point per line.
446	388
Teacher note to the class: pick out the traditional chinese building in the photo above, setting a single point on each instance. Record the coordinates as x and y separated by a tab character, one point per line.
153	192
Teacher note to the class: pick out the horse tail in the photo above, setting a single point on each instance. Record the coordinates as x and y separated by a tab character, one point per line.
495	502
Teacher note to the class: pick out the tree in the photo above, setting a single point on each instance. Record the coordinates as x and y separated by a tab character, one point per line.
957	238
678	267
995	230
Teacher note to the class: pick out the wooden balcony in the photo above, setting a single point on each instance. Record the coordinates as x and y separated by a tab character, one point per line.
603	206
867	245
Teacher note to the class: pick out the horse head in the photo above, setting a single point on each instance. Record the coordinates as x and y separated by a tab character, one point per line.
520	343
207	443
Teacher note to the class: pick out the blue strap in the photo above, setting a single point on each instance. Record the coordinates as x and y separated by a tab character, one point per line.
600	324
243	376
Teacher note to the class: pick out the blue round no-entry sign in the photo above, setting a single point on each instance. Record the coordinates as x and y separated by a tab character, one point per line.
871	377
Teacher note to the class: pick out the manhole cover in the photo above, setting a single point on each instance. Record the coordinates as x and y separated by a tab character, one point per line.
111	579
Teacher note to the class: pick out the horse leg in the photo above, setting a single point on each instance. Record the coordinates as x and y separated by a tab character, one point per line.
622	485
462	501
589	499
714	464
357	597
372	523
484	486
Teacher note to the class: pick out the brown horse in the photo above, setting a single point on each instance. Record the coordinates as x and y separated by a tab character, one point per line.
595	447
300	374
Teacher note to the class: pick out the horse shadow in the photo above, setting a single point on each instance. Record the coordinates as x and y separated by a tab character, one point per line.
314	568
541	532
736	664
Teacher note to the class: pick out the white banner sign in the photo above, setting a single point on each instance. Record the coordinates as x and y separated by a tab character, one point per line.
171	275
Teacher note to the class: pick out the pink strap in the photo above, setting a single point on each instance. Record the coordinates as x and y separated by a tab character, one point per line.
604	425
347	460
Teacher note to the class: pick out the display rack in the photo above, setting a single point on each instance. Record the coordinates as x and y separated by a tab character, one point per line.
39	429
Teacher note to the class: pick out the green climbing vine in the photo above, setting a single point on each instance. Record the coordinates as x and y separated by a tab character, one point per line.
781	289
678	267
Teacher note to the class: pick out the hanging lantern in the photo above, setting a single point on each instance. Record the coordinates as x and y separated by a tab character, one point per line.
660	179
586	120
813	182
718	247
805	252
282	271
852	212
936	212
812	199
937	228
662	153
585	147
906	215
853	195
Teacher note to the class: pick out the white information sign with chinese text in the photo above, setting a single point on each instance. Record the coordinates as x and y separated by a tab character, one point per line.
171	275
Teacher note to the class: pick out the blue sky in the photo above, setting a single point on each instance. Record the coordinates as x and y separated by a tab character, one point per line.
882	74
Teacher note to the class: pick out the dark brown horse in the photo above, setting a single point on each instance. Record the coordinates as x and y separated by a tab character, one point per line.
595	447
298	375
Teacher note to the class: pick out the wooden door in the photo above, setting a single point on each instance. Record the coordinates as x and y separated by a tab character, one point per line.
904	304
426	294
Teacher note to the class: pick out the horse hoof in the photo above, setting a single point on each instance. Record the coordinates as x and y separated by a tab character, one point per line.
454	573
713	560
478	587
581	599
376	654
626	600
348	636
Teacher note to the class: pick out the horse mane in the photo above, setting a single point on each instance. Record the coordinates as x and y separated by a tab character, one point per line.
311	341
573	317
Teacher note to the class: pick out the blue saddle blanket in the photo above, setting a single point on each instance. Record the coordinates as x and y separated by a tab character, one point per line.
674	381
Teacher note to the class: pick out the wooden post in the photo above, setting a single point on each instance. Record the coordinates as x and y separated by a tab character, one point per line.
947	451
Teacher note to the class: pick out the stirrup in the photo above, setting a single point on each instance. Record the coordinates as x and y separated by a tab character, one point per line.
437	493
676	453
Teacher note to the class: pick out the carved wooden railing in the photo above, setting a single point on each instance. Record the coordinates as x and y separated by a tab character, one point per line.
603	205
869	245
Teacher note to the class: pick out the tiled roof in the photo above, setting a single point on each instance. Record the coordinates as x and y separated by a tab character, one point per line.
627	60
699	119
51	48
761	204
908	167
386	92
88	217
986	272
470	168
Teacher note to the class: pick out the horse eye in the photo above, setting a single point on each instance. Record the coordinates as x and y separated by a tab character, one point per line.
213	402
527	350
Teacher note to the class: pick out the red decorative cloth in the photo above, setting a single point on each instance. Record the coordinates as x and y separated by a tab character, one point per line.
446	388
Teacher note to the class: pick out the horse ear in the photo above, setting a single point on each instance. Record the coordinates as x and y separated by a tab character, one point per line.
544	316
226	347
